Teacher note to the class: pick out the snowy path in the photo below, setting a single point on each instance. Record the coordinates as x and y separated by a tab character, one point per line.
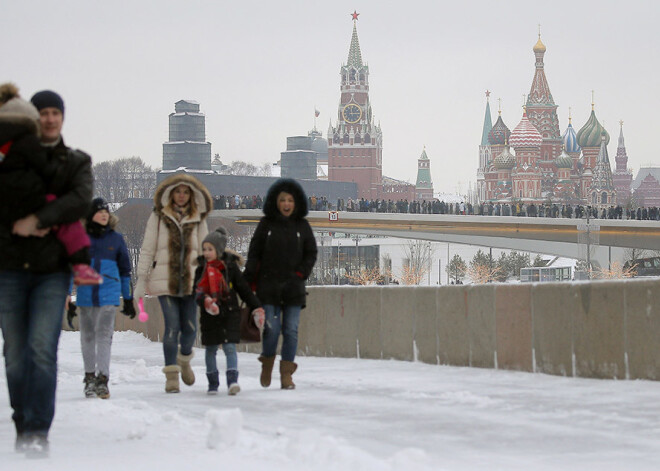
346	414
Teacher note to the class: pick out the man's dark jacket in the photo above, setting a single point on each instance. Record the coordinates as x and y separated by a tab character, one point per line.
71	181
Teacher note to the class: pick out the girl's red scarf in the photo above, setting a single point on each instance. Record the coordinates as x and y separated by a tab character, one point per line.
213	283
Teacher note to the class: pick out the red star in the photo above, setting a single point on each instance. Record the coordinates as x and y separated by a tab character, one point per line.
355	15
487	94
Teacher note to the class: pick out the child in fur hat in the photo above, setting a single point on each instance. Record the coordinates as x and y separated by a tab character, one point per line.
220	278
23	177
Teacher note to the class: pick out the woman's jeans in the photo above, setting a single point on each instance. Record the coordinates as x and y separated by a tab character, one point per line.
283	319
31	314
230	354
180	313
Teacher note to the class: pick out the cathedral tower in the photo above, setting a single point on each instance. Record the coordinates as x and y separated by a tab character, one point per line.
526	175
355	143
542	113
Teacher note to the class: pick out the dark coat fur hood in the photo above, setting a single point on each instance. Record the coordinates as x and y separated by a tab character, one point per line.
292	187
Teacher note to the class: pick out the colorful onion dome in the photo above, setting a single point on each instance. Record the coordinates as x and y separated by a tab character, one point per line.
589	135
539	46
525	134
499	134
564	160
505	160
570	140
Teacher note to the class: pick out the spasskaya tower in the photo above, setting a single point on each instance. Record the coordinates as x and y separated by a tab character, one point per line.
355	143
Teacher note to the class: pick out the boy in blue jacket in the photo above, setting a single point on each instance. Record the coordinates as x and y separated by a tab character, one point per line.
99	303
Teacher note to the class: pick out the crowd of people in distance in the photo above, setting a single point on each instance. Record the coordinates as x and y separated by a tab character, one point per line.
547	210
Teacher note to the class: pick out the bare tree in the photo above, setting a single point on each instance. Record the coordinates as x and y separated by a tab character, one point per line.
129	177
418	255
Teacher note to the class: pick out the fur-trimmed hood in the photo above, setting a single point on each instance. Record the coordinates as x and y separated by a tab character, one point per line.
229	254
292	187
201	194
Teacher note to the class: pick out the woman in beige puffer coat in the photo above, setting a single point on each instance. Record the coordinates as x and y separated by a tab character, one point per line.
172	241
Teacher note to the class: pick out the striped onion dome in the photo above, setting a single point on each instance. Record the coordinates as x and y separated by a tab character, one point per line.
525	134
570	140
499	134
505	160
590	134
564	160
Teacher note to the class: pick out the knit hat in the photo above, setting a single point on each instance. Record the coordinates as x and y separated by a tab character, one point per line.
47	99
12	103
98	204
218	239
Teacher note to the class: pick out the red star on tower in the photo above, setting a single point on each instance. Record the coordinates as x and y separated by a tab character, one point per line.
355	15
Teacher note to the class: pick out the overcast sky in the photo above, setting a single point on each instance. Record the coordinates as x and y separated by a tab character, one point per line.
259	68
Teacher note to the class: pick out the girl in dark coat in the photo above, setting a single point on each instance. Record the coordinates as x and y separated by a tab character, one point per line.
281	256
220	278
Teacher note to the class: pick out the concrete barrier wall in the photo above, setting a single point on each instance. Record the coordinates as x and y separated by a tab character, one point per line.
600	329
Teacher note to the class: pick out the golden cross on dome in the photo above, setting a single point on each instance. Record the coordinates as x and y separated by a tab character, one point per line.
539	30
569	115
621	123
499	105
355	15
592	100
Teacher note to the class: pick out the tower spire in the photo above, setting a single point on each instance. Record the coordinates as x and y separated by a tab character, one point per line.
488	123
354	54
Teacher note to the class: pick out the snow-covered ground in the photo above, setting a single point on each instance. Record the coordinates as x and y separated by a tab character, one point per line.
346	414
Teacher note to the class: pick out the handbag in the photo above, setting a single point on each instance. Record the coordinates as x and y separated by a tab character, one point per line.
249	330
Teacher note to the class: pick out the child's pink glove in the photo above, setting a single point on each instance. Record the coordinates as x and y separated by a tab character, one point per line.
210	306
259	317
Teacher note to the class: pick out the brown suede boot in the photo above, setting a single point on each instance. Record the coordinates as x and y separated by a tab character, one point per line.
187	374
266	370
287	368
172	375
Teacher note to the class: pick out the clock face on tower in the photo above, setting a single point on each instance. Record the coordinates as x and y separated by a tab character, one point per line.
352	113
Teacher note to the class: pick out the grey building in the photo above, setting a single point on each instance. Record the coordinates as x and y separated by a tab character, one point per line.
302	156
187	146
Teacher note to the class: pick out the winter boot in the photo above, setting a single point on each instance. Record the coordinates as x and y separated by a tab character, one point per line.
172	375
232	382
102	390
287	368
266	370
187	374
90	385
214	382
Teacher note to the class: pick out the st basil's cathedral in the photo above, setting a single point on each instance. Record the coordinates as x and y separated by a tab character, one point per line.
536	164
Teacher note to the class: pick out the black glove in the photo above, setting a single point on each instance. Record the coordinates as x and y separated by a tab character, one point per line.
129	308
71	313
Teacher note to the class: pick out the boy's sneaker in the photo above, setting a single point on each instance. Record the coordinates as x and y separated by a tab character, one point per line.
36	446
102	390
85	275
21	443
90	385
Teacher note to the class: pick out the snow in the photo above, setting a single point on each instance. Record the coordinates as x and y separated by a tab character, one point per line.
346	414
